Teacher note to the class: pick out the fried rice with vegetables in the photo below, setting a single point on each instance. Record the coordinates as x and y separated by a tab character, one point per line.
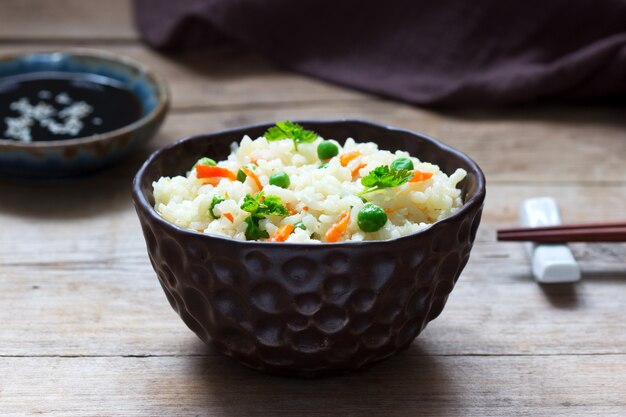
291	185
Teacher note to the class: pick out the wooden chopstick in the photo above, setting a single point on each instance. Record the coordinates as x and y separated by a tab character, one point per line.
593	232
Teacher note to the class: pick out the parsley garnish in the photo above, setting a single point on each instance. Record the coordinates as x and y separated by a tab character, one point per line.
259	208
290	130
384	177
253	231
268	206
216	200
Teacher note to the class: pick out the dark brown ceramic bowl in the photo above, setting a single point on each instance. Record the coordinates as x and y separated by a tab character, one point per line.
309	309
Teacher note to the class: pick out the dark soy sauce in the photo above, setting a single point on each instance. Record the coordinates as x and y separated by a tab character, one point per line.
45	106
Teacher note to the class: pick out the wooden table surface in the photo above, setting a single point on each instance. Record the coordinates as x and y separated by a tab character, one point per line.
85	329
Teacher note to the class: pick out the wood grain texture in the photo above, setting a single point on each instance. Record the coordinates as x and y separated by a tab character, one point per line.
517	146
229	88
480	386
86	330
81	20
226	77
84	285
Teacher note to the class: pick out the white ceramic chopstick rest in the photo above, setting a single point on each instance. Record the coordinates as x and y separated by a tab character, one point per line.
551	263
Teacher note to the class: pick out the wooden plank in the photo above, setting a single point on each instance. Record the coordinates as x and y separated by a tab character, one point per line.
528	151
402	386
223	77
229	88
86	329
79	276
93	221
66	19
530	157
501	312
225	88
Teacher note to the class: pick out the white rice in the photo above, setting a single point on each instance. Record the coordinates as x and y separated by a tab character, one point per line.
317	196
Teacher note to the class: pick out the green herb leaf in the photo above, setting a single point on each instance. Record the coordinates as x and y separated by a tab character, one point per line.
270	206
216	200
253	231
251	204
290	130
384	177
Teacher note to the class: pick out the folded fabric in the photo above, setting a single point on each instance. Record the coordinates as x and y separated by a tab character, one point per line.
446	52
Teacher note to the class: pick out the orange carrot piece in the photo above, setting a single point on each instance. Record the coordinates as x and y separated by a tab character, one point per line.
254	161
229	217
336	230
389	211
254	177
282	233
208	171
356	170
347	157
420	176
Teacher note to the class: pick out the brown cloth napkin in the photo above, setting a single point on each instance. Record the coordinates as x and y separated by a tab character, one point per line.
445	52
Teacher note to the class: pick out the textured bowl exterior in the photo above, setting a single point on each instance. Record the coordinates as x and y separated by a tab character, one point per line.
81	155
305	309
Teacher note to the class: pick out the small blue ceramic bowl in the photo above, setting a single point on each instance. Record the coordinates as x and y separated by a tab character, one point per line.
62	158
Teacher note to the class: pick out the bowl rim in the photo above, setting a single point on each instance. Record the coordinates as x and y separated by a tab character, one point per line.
142	203
162	89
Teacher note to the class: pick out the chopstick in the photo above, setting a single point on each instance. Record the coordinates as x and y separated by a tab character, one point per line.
591	232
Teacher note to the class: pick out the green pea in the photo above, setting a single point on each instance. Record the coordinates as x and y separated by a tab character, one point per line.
371	218
326	149
216	200
324	165
280	179
300	225
241	176
402	163
206	161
